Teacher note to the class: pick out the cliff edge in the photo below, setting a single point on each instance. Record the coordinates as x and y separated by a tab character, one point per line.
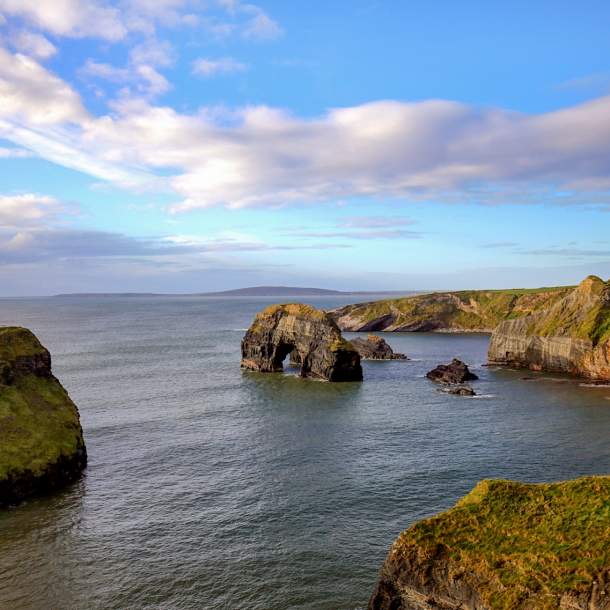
309	335
41	440
506	546
571	336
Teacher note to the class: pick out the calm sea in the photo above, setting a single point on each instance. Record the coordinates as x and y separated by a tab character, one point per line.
209	487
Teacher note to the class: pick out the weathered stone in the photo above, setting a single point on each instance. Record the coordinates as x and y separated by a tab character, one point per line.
461	390
454	372
41	440
376	348
572	336
309	335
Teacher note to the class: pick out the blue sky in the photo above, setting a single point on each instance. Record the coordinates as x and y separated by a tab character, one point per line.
182	145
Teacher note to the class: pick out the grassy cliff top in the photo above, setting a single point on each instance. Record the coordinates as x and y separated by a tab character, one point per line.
582	314
293	309
38	421
536	540
17	341
460	310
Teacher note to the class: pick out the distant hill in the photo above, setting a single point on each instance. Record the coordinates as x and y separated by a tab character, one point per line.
253	291
274	291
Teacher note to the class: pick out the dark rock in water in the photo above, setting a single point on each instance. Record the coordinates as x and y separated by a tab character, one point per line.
461	390
309	335
376	348
455	372
41	440
506	545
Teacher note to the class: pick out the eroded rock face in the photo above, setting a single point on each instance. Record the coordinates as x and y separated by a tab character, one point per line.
572	336
41	440
376	348
463	560
454	372
309	335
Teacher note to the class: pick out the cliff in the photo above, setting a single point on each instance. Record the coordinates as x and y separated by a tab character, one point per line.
506	546
572	335
463	311
309	335
41	441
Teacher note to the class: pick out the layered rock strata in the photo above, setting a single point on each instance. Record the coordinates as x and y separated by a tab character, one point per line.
571	336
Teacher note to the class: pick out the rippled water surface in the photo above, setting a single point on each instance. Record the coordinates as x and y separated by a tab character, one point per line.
208	487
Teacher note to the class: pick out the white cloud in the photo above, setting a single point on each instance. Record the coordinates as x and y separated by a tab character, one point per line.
24	209
14	153
33	44
77	18
434	149
223	65
32	94
105	71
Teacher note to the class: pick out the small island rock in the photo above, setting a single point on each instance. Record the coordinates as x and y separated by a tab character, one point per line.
454	372
461	390
309	335
376	348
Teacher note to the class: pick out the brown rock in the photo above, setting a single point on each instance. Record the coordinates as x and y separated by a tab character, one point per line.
454	372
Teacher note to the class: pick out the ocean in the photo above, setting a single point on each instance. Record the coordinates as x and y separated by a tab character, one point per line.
210	487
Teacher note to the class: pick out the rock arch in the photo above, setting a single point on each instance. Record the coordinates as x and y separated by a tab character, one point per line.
309	335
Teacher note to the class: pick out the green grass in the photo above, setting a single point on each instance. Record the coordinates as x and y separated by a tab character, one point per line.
462	310
38	423
523	540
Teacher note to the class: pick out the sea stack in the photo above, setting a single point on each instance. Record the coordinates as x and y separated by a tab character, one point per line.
41	440
309	335
571	336
505	546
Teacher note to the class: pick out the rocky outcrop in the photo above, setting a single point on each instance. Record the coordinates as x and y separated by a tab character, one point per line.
41	440
376	348
309	335
505	546
460	390
454	372
461	311
571	336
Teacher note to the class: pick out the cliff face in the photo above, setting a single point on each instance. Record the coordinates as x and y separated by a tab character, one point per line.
310	336
41	441
506	546
571	336
474	310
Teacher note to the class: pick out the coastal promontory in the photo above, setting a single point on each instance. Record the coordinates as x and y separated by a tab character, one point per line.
506	546
571	335
309	335
41	440
461	311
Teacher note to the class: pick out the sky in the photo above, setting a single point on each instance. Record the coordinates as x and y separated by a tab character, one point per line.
202	145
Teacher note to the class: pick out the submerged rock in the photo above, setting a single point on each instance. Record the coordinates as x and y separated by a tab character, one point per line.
376	348
572	336
454	372
505	546
41	440
461	390
309	335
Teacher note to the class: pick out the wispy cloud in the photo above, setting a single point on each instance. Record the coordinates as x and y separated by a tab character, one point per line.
599	82
499	244
223	65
